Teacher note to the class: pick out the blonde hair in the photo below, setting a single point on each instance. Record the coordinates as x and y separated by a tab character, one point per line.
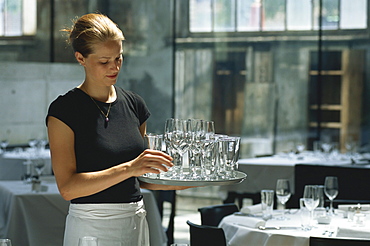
91	29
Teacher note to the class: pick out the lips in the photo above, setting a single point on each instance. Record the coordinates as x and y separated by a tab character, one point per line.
112	76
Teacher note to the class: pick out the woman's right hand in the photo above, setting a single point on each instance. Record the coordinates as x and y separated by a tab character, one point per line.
150	161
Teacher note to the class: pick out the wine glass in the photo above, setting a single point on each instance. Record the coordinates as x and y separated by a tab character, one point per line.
311	198
167	136
331	190
5	242
198	136
39	165
4	144
300	147
283	193
88	241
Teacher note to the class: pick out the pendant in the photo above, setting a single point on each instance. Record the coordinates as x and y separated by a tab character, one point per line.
106	119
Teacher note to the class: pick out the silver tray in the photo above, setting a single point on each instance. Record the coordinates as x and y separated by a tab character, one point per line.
239	177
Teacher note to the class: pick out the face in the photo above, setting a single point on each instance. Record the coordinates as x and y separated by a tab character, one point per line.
103	65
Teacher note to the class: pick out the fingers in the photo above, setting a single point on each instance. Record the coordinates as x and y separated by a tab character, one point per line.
153	161
157	153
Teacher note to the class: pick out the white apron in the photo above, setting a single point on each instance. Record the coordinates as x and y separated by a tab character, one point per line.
113	224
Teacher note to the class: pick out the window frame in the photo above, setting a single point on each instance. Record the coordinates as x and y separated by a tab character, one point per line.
186	36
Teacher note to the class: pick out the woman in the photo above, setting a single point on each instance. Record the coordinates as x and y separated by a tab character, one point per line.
96	141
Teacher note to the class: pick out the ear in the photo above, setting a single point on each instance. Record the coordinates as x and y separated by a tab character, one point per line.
80	58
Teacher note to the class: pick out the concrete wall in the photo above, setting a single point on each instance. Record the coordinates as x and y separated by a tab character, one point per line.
26	92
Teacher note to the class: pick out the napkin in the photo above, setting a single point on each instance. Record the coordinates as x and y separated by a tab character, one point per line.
253	209
356	232
251	222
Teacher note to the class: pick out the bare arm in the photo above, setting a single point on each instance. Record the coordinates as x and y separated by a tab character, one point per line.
73	185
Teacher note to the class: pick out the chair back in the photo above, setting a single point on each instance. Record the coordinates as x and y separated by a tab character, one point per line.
321	241
201	235
212	215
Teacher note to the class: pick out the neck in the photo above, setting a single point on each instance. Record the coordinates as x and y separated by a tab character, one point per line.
103	94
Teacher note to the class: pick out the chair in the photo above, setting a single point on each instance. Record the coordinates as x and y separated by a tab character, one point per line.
201	235
212	215
162	196
320	241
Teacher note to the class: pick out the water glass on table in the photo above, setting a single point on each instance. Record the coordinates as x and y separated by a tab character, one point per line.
331	190
311	198
5	242
304	214
88	241
267	203
283	194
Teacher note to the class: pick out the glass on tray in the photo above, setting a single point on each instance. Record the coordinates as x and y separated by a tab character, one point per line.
199	154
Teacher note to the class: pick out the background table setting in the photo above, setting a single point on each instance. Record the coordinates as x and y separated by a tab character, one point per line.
251	228
24	162
260	224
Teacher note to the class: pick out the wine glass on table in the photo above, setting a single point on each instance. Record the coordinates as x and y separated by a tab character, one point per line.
39	165
283	194
311	198
5	242
331	190
88	241
3	145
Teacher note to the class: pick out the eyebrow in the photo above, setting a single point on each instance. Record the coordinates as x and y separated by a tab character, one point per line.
108	57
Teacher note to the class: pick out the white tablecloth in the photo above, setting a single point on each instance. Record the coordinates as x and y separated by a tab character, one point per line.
239	232
38	219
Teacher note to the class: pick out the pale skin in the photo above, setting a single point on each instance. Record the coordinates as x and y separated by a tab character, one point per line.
101	71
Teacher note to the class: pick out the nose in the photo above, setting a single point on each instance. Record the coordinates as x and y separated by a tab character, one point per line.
116	66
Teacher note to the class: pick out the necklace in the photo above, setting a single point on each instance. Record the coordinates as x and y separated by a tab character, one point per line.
105	115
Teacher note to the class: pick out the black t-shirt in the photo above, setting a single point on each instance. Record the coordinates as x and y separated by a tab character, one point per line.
100	145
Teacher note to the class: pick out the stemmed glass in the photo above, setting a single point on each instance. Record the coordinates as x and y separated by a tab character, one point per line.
331	190
39	165
311	198
5	242
198	135
3	145
300	147
326	146
175	137
88	241
168	129
283	194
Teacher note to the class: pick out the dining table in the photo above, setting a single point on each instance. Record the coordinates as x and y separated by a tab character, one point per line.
251	229
34	218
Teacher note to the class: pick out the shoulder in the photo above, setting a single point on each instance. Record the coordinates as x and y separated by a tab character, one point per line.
68	98
67	106
130	95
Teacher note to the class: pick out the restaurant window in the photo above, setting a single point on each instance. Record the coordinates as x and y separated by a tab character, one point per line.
17	18
275	15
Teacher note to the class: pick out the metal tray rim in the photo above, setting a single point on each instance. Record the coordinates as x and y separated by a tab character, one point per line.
240	176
